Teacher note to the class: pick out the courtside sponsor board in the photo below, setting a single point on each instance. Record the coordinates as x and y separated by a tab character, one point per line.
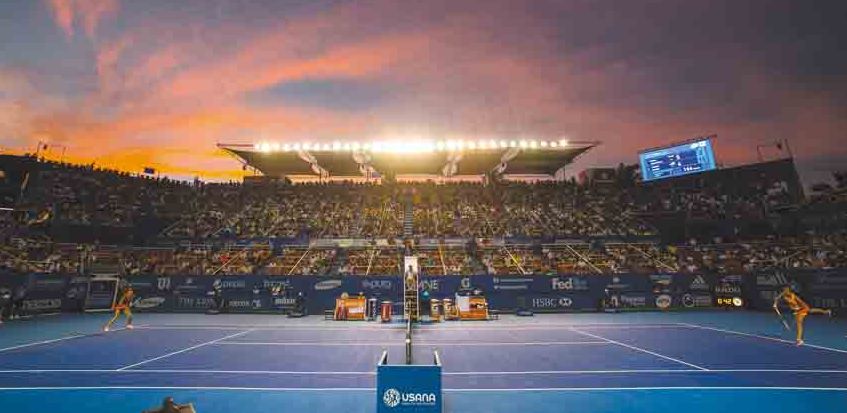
408	388
149	302
328	285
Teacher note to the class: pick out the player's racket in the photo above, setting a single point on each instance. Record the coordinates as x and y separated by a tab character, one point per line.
781	318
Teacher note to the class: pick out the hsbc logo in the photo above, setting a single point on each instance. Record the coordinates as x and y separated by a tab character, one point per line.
568	284
561	302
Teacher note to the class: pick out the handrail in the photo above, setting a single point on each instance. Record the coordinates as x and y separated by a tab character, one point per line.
584	259
298	261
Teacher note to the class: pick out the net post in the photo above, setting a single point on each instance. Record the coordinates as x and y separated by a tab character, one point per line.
408	341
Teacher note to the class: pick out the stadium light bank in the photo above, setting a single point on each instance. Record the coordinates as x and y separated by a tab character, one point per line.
410	146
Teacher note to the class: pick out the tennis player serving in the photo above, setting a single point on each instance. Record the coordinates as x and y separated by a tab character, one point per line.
799	307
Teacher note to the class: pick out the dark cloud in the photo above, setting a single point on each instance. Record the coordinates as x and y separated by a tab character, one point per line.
633	74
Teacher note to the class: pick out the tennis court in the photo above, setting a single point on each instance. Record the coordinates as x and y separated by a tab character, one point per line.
593	362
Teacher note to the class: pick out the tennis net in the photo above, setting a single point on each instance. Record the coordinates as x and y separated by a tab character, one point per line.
409	341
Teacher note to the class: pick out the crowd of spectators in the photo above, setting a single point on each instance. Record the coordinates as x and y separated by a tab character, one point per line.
209	217
538	210
89	196
85	195
808	252
811	252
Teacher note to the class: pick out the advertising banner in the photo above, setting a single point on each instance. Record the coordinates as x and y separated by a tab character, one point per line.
555	293
408	388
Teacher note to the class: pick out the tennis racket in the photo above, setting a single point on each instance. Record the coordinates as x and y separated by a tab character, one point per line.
781	318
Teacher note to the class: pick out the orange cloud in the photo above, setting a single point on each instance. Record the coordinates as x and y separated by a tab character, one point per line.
63	14
172	83
88	13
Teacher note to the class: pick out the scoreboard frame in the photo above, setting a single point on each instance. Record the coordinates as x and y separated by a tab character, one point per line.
710	139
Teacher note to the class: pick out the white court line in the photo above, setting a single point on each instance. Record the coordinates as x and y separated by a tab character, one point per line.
565	389
183	350
322	389
566	372
448	390
392	327
641	350
644	371
422	343
38	343
396	327
177	371
764	337
454	373
55	340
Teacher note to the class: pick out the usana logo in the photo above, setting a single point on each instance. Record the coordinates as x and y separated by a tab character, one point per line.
393	398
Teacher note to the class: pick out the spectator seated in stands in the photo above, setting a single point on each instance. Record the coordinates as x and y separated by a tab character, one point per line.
169	406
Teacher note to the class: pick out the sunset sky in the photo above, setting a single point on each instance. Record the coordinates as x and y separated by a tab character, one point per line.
129	84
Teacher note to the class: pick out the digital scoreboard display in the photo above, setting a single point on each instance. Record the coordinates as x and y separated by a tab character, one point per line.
689	158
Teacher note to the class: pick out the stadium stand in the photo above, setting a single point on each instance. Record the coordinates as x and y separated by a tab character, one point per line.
729	221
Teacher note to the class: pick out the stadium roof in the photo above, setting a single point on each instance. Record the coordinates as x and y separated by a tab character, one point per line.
444	158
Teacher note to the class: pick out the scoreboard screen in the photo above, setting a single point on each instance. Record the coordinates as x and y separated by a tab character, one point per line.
685	159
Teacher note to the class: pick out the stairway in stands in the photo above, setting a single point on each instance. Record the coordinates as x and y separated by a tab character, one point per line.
408	220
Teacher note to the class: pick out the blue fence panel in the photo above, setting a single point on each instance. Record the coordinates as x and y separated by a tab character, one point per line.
260	293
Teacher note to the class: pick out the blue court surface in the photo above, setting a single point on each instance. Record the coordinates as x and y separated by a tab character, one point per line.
641	362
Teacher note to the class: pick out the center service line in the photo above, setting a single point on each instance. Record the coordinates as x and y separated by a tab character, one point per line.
185	349
641	350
